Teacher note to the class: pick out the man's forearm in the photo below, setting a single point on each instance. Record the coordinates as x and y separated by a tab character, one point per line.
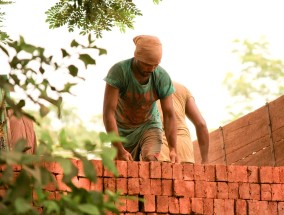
171	133
203	141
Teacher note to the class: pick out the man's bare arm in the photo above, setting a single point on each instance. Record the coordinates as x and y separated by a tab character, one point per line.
193	113
170	126
109	107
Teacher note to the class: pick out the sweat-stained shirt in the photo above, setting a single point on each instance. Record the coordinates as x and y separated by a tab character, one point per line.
136	109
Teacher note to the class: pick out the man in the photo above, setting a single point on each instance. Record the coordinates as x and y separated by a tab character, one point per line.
185	106
132	88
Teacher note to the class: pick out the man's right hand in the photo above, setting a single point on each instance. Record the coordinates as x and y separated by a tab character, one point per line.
124	155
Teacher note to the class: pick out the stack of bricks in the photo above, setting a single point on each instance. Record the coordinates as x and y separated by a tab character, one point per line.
168	188
190	189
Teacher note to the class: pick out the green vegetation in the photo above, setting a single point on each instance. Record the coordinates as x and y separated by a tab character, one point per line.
260	78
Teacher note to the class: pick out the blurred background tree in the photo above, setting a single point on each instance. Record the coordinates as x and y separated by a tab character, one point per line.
259	80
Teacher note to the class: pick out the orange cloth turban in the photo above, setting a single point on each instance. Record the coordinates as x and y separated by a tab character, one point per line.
148	49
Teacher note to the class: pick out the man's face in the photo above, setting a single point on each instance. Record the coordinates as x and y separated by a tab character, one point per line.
144	69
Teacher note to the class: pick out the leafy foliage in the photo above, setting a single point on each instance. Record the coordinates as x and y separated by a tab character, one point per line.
4	37
260	77
31	72
92	15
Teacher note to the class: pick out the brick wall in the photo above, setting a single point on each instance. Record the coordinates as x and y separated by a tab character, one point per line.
256	139
185	188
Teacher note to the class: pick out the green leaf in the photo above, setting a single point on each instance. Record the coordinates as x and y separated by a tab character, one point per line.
108	155
89	169
110	137
89	209
22	206
64	53
51	206
74	43
65	164
102	51
34	172
73	70
87	59
43	110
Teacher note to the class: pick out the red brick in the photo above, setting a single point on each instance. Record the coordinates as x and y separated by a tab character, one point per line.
145	186
167	170
277	192
109	184
281	174
208	206
200	189
51	196
98	165
241	207
84	183
155	169
221	172
280	208
272	208
266	174
210	189
255	191
107	173
184	205
209	173
121	168
167	187
162	204
144	169
253	207
233	190
219	206
266	192
197	205
58	195
121	204
156	186
253	174
183	188
121	185
267	208
222	190
199	172
237	173
188	172
53	167
149	203
133	168
229	206
244	190
133	186
132	205
16	167
173	205
51	186
177	171
61	185
98	185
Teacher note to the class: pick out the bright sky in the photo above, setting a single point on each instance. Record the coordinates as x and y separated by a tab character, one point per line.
197	40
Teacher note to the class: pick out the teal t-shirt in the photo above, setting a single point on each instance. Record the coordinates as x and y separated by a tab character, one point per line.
137	110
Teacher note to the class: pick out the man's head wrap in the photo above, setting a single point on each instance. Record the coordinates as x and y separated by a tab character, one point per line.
148	49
